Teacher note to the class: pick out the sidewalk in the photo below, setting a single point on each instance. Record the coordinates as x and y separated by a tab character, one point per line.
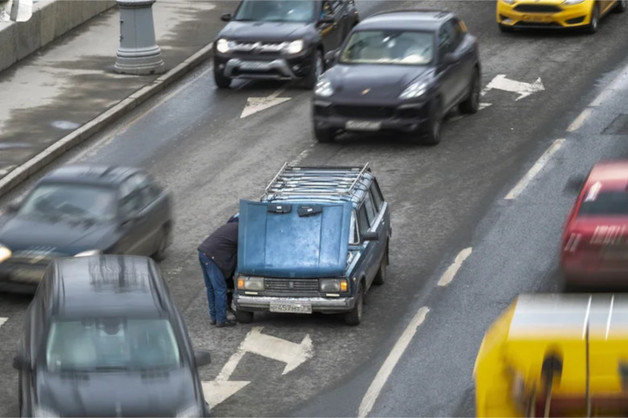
50	97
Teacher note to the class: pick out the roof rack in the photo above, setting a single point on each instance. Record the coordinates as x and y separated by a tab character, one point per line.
439	12
315	181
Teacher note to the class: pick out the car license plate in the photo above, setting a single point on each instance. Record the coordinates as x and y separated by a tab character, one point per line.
302	308
363	125
537	19
254	65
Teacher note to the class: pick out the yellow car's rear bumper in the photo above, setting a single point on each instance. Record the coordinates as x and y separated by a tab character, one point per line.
541	14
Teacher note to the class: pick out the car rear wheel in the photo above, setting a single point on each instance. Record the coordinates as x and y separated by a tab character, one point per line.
434	124
318	66
221	81
354	317
621	7
324	134
505	28
244	317
595	19
472	103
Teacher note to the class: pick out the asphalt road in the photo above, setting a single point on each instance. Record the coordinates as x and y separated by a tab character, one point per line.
444	199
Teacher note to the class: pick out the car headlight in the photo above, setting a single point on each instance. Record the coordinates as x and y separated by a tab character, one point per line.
509	1
88	253
572	2
39	411
414	90
333	285
5	253
250	283
222	45
295	47
323	87
190	411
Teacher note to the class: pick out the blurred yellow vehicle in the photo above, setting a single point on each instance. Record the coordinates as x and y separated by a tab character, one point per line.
515	14
555	355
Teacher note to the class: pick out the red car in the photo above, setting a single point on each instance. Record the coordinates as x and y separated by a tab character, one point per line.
595	240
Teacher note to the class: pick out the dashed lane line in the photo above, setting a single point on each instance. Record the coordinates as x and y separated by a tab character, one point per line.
536	168
3	320
579	121
391	361
451	271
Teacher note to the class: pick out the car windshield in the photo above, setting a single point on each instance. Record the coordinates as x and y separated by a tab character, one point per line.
611	202
276	11
71	201
389	47
101	344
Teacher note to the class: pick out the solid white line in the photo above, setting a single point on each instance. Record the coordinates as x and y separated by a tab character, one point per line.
450	273
391	361
536	168
577	123
3	320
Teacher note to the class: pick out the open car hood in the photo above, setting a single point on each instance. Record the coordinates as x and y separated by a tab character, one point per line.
293	240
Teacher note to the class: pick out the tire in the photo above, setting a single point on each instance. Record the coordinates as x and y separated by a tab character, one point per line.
591	28
324	135
318	66
505	28
472	103
621	7
354	316
221	81
164	240
244	317
433	134
380	277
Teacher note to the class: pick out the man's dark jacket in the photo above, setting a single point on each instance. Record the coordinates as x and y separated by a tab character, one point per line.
222	248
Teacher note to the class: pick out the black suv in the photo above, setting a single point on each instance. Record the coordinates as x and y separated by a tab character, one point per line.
401	70
103	338
281	39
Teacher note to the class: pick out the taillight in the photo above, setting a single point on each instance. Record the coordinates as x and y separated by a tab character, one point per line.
572	242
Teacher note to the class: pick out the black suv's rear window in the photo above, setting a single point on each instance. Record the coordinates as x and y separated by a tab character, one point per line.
276	11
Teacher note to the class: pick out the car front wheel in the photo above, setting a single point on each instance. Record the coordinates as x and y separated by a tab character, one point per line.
472	103
244	317
505	28
221	81
621	7
324	134
317	68
354	316
595	19
432	136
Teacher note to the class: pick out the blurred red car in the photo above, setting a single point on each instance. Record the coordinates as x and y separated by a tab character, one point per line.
595	240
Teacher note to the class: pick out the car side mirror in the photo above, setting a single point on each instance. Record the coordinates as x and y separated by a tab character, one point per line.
202	358
226	17
331	57
370	236
21	361
326	19
574	184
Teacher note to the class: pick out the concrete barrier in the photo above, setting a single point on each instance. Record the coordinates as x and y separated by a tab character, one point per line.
51	19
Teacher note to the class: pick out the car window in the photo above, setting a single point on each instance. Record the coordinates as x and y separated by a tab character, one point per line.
388	47
376	193
598	202
371	213
363	222
131	204
105	344
275	11
354	231
148	190
444	40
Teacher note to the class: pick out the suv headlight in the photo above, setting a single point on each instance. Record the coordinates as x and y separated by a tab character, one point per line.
323	87
223	46
5	253
414	90
294	47
250	283
333	285
88	253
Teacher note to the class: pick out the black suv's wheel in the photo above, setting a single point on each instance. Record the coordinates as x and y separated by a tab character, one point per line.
244	317
472	103
324	134
505	28
434	124
317	68
595	19
621	7
354	316
221	81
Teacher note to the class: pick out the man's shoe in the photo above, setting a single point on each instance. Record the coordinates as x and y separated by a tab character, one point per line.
212	321
227	323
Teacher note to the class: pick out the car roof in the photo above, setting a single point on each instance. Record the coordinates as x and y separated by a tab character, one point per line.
103	175
406	19
609	171
106	285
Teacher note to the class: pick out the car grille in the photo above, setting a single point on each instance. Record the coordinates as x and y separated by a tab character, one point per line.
537	8
364	112
296	285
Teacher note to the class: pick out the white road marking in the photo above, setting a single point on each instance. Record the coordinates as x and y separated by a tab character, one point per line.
536	168
619	83
391	361
257	104
302	155
3	320
500	82
485	105
221	388
577	122
451	271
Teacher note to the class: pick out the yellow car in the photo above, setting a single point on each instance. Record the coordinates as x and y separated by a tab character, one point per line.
537	14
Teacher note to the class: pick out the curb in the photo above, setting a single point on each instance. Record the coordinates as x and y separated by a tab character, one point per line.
45	157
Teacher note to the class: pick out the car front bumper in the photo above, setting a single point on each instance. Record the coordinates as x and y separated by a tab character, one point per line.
318	304
275	67
525	14
406	117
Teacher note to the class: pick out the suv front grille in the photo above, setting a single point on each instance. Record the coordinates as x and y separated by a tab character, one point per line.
364	112
537	8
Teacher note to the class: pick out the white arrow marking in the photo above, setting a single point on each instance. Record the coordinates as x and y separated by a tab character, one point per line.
220	389
3	320
257	104
500	82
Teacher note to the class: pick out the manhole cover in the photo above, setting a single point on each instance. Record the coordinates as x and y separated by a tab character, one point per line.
618	127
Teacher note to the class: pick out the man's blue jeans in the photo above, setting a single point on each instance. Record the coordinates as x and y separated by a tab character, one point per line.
216	289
